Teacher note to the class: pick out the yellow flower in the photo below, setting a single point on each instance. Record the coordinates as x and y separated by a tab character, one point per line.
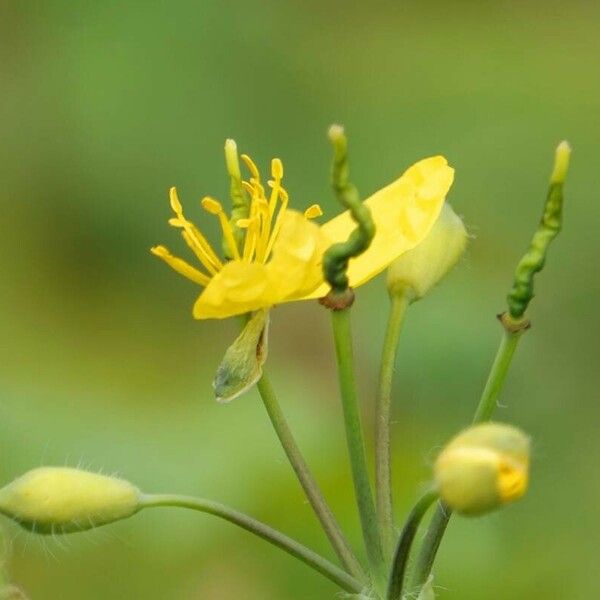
283	249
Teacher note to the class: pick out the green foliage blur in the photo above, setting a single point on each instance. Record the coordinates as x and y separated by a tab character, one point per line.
106	104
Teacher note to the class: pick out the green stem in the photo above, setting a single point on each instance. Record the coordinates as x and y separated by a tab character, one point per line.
405	543
312	559
307	481
497	376
485	409
354	437
383	471
429	548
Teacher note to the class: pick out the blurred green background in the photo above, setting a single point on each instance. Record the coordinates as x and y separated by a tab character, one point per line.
104	105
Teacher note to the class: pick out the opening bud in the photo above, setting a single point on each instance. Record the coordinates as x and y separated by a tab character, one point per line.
63	500
483	468
242	364
418	270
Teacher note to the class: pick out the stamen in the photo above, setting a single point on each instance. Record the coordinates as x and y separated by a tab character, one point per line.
212	206
275	189
260	190
254	188
197	242
248	187
175	203
277	169
258	235
200	255
251	167
179	265
278	221
264	229
313	211
251	233
275	184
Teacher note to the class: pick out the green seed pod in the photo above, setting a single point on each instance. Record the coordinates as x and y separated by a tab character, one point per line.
483	468
63	500
418	270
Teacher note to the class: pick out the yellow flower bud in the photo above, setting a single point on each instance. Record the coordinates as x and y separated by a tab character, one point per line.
63	500
483	468
418	270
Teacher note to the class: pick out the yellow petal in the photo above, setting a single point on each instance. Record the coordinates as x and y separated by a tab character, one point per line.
239	287
404	212
295	266
293	271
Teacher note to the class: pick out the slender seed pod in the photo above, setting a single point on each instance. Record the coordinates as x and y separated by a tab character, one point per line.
420	269
63	500
534	259
337	256
483	468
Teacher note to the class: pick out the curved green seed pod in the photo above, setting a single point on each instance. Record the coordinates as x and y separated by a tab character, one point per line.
550	225
335	260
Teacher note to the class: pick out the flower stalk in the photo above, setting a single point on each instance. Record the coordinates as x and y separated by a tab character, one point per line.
484	412
497	376
409	278
307	481
402	552
278	539
383	412
355	440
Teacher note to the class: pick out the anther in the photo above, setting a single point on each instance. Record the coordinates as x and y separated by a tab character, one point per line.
312	212
179	265
251	166
160	251
249	188
277	169
214	207
175	203
211	205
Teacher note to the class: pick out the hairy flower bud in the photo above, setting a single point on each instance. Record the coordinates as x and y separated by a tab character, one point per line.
483	468
63	500
418	270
